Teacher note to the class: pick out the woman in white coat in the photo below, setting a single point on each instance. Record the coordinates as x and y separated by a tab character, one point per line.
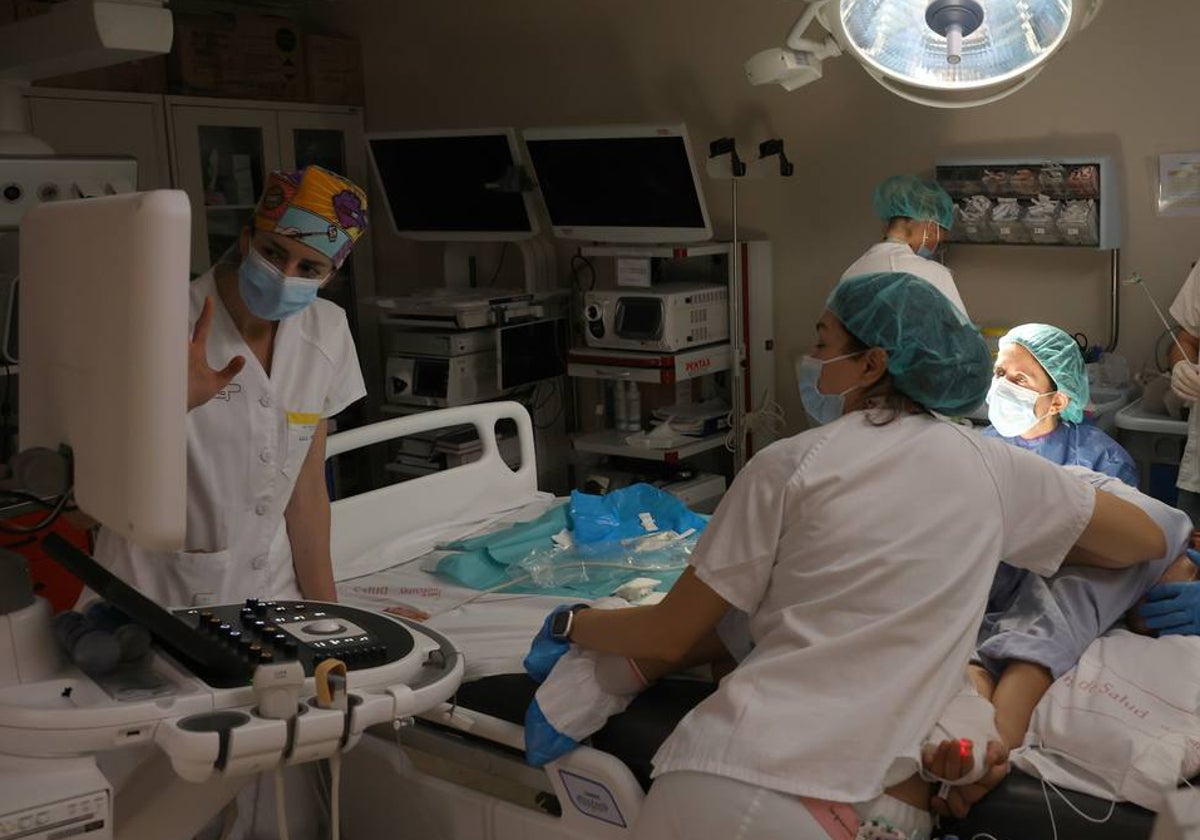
269	363
917	218
862	551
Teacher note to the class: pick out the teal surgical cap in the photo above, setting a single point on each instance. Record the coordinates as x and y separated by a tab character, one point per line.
923	201
1059	355
935	356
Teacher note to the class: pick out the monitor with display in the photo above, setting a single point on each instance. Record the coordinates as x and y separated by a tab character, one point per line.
631	183
459	185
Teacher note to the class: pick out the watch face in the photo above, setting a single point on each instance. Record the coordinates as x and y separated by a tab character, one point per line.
560	623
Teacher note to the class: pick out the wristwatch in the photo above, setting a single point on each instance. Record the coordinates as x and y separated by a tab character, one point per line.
561	624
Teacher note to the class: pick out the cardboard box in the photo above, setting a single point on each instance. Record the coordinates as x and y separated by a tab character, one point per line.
246	57
334	67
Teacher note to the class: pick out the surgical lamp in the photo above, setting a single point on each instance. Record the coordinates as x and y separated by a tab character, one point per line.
941	53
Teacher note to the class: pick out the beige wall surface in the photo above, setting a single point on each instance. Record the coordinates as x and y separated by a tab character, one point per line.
1124	87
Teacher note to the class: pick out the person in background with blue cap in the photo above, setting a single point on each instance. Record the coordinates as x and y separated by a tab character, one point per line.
862	551
918	216
1037	399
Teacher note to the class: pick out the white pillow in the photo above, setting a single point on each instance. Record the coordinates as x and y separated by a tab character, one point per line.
1123	723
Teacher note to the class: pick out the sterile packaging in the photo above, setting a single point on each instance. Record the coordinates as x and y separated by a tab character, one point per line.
995	181
973	218
1079	223
613	561
1083	182
1023	182
1007	222
1053	180
1041	221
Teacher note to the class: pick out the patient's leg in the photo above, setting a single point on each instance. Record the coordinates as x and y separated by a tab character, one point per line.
1017	694
982	679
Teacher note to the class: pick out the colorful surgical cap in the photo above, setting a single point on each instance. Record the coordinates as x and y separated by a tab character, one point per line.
1060	357
315	206
912	198
935	356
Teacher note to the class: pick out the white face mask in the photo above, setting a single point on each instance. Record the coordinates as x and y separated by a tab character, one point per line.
1012	409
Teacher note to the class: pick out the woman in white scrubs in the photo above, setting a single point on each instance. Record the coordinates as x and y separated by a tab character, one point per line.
862	551
269	363
917	216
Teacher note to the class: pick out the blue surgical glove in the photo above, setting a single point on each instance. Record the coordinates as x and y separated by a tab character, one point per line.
544	651
1173	609
543	743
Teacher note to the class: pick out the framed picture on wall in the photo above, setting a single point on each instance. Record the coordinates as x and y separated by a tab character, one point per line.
1179	184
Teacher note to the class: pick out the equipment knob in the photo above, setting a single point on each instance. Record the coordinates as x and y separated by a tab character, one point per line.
290	648
233	637
260	608
266	657
251	603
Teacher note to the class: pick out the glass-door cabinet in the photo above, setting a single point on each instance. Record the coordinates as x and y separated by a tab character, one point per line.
223	150
222	155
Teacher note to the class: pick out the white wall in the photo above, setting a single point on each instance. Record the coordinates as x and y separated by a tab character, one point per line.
1125	87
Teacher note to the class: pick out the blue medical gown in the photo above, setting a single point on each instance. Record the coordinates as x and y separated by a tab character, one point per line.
1051	621
1081	445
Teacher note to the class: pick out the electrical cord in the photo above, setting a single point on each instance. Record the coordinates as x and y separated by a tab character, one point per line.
768	420
578	262
6	414
499	264
280	809
335	782
56	510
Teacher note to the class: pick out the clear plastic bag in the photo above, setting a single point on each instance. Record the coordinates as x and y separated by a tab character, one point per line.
1041	221
607	564
1079	223
971	219
1006	221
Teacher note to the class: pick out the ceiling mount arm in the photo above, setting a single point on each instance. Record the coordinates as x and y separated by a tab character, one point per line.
797	41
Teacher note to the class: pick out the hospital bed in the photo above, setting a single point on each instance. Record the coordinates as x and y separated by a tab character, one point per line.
457	772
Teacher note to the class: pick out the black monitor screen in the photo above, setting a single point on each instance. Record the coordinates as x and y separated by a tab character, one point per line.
441	184
617	182
532	352
640	319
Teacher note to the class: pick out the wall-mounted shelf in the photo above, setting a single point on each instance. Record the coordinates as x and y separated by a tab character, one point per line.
1034	201
612	442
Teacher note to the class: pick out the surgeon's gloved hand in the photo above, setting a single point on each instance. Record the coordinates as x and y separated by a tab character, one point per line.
545	650
1173	609
1185	380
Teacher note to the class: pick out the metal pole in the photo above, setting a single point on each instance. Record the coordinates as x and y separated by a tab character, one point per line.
737	342
1114	314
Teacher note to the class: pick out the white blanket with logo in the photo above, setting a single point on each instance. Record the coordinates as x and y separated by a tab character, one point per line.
1123	723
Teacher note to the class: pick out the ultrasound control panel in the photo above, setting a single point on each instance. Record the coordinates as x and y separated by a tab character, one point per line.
261	632
222	645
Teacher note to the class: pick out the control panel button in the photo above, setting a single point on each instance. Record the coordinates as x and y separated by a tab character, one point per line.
325	627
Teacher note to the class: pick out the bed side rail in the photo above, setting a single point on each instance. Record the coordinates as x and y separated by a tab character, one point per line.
367	520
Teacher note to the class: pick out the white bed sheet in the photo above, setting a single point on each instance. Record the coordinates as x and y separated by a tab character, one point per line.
491	630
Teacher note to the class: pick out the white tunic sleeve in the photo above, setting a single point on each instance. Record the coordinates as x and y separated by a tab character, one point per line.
347	384
736	553
1186	307
1044	507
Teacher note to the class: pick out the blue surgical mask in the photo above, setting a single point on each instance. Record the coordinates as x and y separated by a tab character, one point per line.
925	251
822	408
1012	409
269	293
